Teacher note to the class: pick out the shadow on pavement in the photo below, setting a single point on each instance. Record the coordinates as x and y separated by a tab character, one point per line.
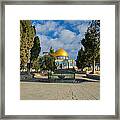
46	80
92	77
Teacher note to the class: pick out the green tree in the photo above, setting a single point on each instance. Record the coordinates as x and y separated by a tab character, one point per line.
35	50
36	64
27	33
91	43
81	59
51	50
47	62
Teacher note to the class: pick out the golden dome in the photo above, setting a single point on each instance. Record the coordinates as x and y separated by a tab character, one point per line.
60	52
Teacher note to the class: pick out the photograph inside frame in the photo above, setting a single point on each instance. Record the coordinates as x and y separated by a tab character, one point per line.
59	59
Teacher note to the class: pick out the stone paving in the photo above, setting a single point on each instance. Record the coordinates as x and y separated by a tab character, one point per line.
87	90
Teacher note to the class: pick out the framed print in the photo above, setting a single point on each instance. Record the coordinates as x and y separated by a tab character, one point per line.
60	59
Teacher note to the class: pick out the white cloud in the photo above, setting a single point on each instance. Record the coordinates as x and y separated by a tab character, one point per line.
82	28
46	43
55	43
67	34
43	43
48	26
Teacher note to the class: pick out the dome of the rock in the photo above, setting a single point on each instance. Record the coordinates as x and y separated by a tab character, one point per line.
60	52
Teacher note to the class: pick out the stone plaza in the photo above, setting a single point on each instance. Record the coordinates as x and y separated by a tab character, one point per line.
85	89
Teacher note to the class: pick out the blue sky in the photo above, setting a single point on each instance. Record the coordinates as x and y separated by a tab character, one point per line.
66	34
